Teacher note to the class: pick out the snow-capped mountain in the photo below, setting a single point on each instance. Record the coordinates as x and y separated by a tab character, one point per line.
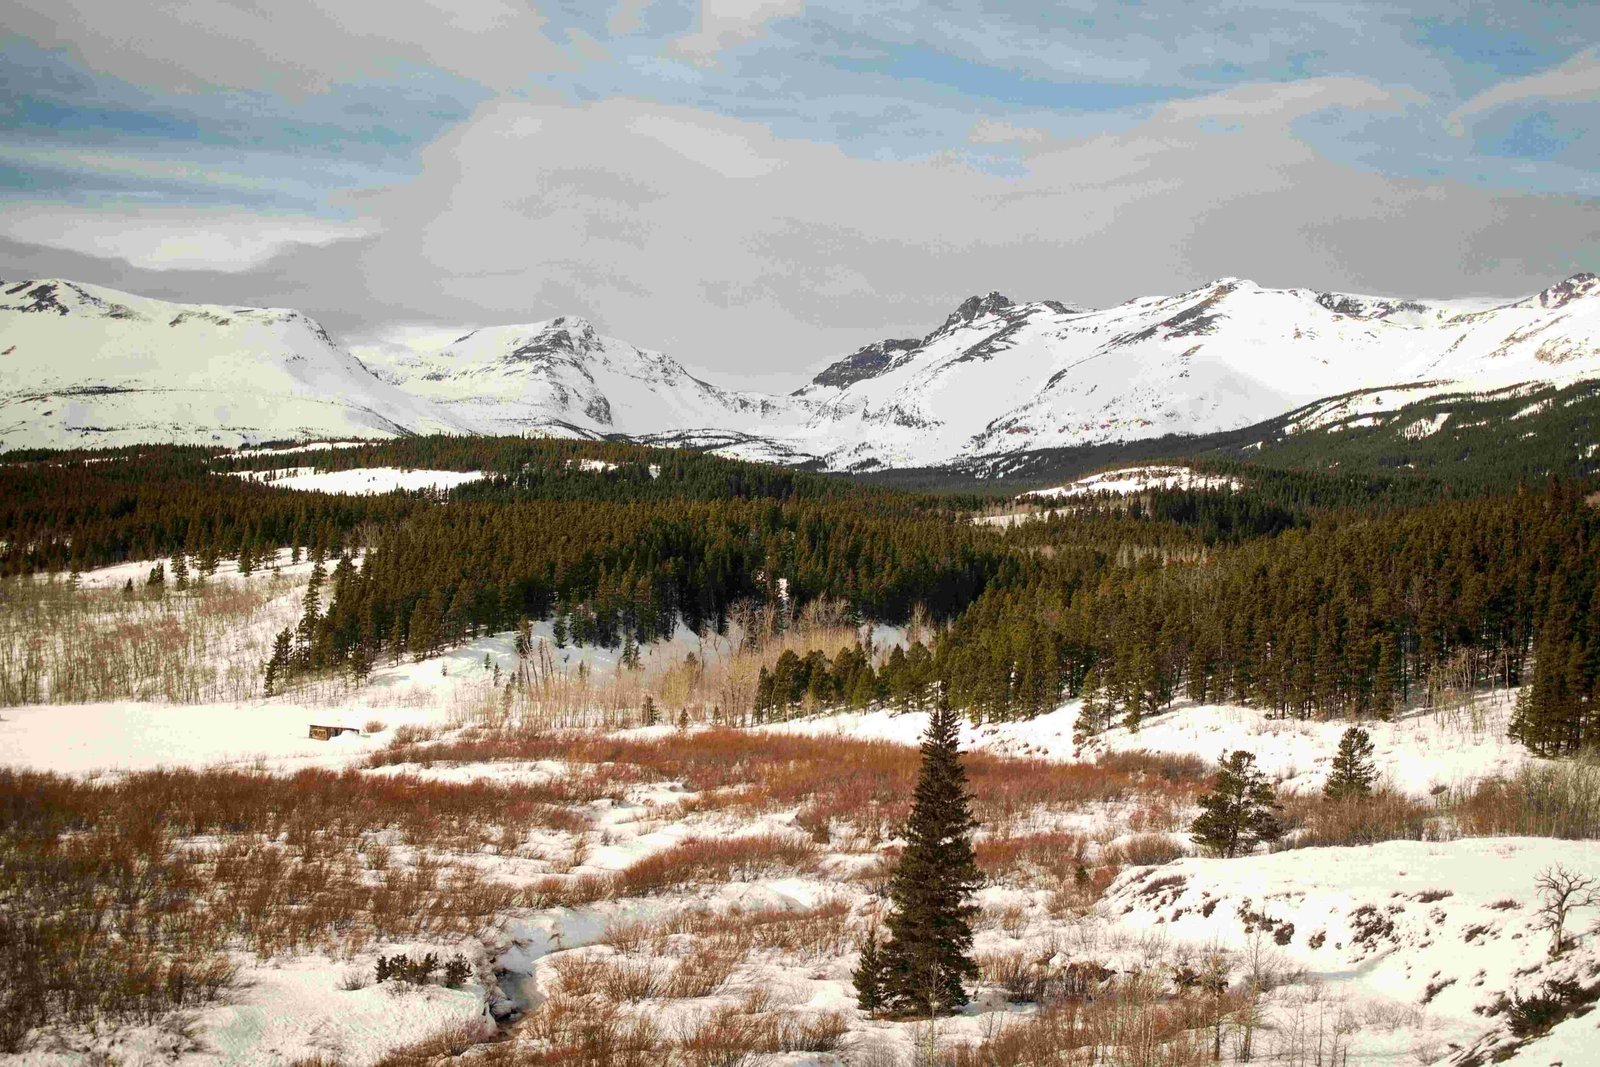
84	366
562	378
1001	377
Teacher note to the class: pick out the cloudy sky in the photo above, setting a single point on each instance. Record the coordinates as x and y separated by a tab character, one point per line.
759	186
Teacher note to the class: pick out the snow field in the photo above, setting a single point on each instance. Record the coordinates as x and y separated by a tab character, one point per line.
1128	480
1416	754
360	481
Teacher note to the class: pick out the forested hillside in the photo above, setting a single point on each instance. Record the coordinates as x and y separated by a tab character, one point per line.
1312	594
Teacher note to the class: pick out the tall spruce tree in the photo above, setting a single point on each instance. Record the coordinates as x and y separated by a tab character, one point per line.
1352	774
1240	812
928	956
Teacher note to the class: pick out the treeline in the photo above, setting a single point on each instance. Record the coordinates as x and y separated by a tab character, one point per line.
77	510
552	469
609	573
74	511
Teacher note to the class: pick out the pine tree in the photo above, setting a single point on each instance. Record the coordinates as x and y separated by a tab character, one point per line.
277	669
868	975
1240	812
927	958
648	711
1353	773
558	630
361	659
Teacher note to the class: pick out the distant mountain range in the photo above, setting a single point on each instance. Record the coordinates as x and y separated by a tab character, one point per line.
84	366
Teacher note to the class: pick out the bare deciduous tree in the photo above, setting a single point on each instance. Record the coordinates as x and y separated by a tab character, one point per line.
1560	891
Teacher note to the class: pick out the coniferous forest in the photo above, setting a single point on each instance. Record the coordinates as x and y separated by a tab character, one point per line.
1311	595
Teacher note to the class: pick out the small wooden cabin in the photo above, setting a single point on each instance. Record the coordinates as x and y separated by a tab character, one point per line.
328	733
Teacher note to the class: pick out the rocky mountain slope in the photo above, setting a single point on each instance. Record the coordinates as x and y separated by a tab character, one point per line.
1000	377
996	379
563	378
84	366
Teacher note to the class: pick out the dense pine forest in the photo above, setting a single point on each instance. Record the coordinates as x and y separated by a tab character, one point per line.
1312	594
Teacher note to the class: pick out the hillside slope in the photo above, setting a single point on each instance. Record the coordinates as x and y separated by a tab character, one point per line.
84	366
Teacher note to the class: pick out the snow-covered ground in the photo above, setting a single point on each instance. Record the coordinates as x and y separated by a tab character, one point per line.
138	571
1435	932
1128	480
1414	754
289	1010
310	446
360	481
438	692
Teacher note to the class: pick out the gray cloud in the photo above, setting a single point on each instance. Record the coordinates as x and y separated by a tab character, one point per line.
292	46
740	250
756	257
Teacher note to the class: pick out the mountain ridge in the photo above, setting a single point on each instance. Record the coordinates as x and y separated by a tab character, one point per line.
997	377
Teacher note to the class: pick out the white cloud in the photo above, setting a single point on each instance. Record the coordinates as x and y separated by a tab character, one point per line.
171	239
1576	79
725	23
997	131
1283	102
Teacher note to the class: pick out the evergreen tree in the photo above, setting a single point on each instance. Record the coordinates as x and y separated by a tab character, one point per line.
558	630
361	660
648	711
277	669
1353	773
928	956
1241	810
868	975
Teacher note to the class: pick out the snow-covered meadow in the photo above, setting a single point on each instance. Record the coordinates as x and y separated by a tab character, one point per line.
359	481
691	888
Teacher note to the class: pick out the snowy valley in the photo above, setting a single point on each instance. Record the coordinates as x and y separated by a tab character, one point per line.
699	885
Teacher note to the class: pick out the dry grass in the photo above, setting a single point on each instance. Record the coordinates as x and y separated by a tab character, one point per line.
866	784
1049	858
1551	800
1386	815
700	860
118	901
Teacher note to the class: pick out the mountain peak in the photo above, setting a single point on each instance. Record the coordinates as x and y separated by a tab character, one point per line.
567	335
1584	283
974	307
